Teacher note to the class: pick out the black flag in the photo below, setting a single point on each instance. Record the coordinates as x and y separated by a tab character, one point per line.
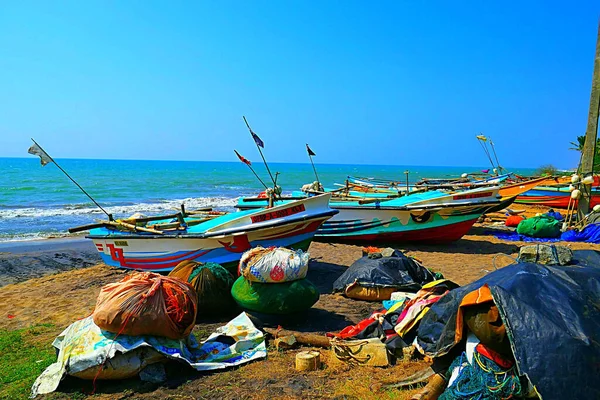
310	152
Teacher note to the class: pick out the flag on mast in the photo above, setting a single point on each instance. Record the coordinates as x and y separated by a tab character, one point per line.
242	159
38	151
257	140
310	152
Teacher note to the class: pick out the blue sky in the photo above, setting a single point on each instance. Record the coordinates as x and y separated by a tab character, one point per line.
388	82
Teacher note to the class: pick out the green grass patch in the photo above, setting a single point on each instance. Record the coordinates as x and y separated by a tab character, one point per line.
24	354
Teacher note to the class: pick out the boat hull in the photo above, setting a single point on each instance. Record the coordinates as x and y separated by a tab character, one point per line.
162	254
222	240
552	197
388	225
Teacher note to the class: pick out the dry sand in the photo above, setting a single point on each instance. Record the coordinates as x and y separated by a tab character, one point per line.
61	298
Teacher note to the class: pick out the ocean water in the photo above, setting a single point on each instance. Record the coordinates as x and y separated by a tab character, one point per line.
39	202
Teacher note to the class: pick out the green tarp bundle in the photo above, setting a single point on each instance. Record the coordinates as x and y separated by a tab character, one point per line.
275	298
542	226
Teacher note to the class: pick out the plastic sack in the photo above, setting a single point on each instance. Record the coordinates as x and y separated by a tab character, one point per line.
513	220
283	298
212	283
273	265
541	226
357	291
145	303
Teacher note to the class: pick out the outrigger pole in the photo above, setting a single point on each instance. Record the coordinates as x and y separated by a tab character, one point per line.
259	143
310	155
37	150
249	164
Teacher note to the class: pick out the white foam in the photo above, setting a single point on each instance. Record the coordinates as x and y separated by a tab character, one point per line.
146	208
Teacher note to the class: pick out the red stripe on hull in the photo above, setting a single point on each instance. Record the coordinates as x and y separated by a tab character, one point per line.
552	201
441	234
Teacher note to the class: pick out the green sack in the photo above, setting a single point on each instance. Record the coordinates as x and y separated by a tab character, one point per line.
542	226
275	298
212	283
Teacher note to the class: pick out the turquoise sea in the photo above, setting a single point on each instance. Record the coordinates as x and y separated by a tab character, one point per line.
39	202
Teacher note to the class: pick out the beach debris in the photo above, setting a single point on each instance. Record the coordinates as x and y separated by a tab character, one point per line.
308	361
547	254
285	342
308	339
89	352
376	279
497	315
146	303
212	284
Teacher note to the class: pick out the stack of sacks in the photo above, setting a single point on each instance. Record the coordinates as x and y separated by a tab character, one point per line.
273	281
212	283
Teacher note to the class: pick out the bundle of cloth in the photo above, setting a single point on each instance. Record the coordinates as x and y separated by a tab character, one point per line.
396	325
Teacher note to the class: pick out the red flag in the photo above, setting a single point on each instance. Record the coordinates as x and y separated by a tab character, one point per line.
310	152
242	159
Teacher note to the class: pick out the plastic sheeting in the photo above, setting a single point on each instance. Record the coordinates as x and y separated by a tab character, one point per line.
398	271
83	346
590	234
552	318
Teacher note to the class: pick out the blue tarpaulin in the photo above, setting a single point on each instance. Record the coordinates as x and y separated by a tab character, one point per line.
590	234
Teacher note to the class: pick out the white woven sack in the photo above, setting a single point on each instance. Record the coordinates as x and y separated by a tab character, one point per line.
273	265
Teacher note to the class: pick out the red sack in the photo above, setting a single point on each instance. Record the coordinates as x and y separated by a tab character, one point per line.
513	220
145	303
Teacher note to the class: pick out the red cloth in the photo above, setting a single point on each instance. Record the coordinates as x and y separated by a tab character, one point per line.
494	356
513	220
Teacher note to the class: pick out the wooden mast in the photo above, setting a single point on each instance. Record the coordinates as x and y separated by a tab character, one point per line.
589	148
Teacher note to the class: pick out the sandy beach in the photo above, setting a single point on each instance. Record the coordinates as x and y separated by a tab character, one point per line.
55	282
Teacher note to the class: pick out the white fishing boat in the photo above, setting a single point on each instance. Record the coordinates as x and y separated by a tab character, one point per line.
162	245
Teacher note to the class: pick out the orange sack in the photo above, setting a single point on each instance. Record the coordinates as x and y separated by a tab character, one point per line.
145	303
513	220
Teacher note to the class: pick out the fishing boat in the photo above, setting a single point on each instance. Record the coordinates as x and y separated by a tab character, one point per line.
554	196
426	217
163	244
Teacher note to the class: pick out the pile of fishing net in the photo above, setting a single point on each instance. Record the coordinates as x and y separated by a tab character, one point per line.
212	283
273	281
145	303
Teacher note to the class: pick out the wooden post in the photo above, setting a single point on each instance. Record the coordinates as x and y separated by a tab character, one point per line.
589	149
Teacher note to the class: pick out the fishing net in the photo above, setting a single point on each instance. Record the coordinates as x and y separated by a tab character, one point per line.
482	379
281	298
212	283
145	303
